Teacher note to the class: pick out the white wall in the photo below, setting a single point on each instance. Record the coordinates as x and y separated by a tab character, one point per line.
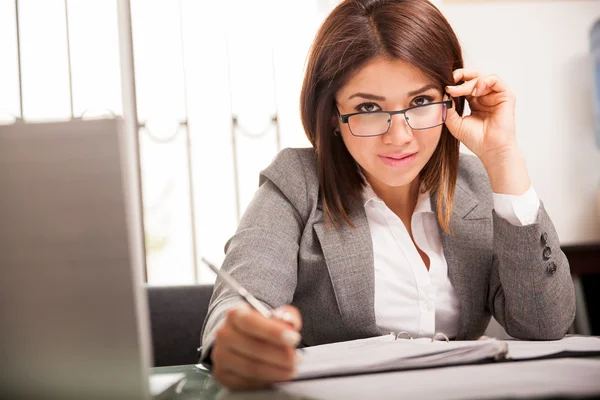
541	50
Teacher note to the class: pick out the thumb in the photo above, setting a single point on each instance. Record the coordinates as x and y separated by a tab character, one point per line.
289	315
454	121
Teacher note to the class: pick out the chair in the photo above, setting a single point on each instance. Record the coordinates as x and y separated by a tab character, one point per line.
176	317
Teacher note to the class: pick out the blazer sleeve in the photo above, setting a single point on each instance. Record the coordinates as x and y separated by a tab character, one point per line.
263	254
531	291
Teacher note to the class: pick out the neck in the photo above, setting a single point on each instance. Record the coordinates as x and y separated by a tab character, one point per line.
402	200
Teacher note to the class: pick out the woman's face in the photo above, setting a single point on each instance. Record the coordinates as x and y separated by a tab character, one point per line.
396	157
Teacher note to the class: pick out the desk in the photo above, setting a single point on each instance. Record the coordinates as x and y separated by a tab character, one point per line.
556	378
200	386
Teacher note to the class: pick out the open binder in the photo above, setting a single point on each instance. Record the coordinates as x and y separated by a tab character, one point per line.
394	352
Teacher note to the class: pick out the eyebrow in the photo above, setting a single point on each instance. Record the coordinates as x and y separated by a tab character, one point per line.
369	96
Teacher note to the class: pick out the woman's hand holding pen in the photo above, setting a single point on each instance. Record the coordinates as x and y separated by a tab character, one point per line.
252	352
489	132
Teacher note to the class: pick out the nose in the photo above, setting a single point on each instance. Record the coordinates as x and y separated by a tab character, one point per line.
399	132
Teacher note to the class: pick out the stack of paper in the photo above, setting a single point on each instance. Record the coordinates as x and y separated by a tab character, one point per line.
385	353
569	346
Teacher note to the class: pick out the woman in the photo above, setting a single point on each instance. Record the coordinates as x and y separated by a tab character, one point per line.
382	226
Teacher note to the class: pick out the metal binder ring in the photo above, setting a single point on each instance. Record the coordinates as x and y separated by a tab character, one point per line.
397	335
433	339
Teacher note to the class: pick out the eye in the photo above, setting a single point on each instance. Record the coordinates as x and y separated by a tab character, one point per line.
422	100
367	107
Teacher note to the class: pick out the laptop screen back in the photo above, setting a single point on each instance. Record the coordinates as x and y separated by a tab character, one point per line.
74	320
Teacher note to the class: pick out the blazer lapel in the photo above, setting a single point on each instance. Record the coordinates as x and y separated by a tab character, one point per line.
349	257
465	246
348	254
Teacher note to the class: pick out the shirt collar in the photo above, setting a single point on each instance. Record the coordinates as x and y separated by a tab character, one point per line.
423	202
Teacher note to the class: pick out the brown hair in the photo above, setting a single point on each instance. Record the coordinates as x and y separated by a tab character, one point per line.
356	31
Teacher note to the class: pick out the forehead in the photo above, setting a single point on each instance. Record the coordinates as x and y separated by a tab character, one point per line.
385	77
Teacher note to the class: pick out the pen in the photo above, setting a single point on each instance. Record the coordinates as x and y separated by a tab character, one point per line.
239	289
246	295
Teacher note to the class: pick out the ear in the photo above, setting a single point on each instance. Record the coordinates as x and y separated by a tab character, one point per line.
335	119
337	130
335	123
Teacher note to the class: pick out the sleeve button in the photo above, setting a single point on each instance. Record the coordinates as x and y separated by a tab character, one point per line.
547	252
544	238
551	268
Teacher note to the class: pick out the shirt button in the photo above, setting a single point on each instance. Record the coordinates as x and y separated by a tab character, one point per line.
544	238
551	268
547	252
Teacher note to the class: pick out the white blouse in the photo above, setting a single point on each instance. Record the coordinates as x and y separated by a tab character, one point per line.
408	297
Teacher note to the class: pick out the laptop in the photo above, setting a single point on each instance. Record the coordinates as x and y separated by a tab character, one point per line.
74	319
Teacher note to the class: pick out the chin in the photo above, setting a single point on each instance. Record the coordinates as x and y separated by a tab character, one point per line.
396	178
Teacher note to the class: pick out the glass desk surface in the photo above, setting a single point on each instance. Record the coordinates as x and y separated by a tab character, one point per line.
199	385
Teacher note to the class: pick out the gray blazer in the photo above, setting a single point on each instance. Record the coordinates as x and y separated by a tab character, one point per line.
284	253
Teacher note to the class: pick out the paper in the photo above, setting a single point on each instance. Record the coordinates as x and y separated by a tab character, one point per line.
519	350
566	377
384	353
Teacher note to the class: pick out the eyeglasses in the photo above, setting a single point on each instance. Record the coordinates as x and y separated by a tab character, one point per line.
378	123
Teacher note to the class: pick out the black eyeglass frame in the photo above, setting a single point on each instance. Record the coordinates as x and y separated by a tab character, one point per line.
344	117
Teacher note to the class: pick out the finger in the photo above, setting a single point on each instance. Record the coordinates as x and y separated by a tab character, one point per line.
236	382
488	101
250	369
290	315
494	83
465	74
465	89
225	373
481	88
489	91
258	350
252	323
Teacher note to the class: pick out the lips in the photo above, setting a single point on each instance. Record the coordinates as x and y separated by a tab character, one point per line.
398	160
396	156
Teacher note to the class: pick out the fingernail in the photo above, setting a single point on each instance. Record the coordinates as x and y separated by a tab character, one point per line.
450	87
474	92
287	317
290	338
299	358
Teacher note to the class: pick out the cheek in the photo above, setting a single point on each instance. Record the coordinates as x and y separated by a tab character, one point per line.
428	140
359	147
